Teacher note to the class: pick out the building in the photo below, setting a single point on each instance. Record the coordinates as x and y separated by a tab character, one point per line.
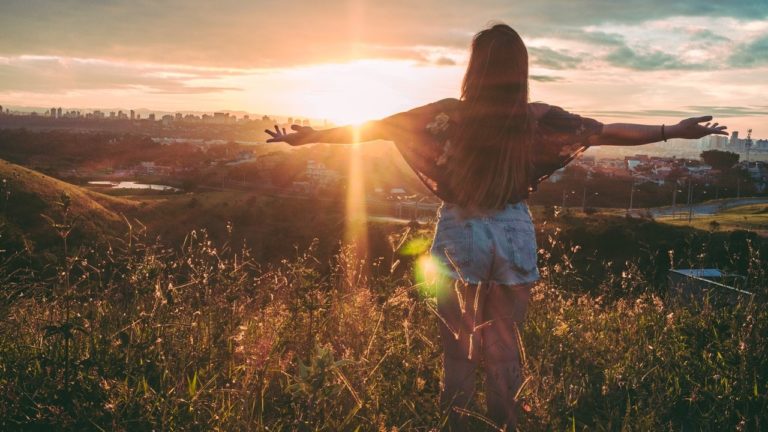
222	118
133	115
734	141
714	142
319	175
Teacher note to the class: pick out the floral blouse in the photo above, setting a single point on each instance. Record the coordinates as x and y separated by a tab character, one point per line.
423	137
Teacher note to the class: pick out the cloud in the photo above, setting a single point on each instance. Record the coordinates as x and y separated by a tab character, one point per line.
689	111
706	35
546	78
246	34
750	54
445	61
49	74
731	111
649	60
591	12
551	59
597	37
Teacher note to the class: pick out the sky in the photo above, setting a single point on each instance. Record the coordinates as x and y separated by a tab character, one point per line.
650	61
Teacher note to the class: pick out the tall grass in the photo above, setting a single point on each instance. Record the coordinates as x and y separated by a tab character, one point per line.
143	337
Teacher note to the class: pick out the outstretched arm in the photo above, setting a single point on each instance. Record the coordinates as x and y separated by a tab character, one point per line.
391	128
384	129
628	134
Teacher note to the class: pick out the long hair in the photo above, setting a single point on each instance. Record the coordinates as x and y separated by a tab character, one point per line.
490	163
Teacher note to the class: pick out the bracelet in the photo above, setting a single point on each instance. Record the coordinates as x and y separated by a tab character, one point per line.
663	135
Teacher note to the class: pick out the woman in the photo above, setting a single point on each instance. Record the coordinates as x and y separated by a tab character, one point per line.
482	155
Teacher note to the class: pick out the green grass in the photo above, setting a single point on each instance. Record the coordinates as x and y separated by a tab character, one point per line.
752	217
203	334
28	197
144	338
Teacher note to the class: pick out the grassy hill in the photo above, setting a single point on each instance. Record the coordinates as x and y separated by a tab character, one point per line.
200	335
28	199
206	338
751	217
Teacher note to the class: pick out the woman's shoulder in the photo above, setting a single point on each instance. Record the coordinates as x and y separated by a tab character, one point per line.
447	106
539	109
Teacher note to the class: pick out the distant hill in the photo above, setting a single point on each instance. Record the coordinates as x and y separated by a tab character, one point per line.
27	197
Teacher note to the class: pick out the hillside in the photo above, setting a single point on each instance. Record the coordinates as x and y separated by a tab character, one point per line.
27	197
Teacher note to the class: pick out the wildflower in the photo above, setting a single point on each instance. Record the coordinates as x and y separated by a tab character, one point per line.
670	318
420	382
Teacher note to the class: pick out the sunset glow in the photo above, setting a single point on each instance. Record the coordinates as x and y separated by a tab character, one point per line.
353	92
347	62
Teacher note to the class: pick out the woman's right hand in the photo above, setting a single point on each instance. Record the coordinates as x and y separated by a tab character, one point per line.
691	129
301	135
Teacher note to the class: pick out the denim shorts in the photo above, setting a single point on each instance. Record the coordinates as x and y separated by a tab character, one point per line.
492	246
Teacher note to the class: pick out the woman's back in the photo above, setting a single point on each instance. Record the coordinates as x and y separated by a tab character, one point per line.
426	138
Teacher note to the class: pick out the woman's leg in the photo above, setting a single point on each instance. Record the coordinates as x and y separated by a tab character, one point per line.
504	311
456	306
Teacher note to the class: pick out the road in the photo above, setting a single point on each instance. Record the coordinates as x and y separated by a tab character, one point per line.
707	208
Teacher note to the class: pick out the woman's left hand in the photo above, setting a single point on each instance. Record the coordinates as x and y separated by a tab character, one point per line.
300	135
691	129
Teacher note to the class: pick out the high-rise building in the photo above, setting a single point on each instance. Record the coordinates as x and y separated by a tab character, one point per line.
58	112
221	118
133	115
53	113
734	142
152	117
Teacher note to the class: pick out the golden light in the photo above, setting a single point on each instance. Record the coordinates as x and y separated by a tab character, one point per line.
356	230
358	91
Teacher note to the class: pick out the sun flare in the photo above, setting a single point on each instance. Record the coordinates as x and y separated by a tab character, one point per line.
356	229
351	93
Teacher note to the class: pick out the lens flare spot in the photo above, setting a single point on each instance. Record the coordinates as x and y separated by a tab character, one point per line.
428	274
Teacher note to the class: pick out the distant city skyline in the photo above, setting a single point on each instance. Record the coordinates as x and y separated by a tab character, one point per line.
641	61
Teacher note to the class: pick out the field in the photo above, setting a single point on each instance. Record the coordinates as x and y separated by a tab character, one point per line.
198	332
748	217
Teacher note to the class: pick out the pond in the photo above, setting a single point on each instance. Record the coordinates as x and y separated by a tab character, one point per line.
133	185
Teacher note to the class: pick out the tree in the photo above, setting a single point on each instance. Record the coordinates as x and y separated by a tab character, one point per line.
675	174
720	160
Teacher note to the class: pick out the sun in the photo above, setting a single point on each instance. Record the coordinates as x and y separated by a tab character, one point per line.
357	91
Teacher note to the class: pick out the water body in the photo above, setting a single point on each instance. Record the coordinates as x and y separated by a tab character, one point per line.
133	185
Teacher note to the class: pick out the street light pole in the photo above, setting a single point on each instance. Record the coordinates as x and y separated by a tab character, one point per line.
674	198
690	200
